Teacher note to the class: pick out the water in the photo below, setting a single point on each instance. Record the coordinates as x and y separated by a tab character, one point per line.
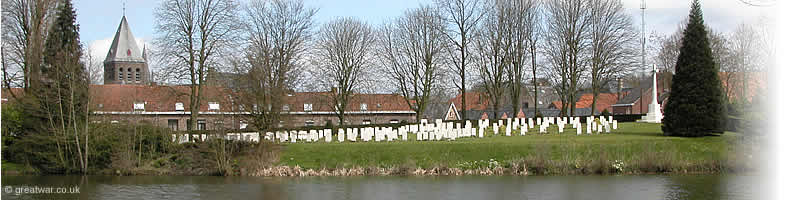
465	187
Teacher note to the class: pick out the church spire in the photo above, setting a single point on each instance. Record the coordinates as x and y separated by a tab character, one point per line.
124	47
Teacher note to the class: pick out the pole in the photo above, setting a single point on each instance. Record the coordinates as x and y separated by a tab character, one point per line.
643	7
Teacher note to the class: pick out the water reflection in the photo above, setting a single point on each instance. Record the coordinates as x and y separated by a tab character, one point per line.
506	187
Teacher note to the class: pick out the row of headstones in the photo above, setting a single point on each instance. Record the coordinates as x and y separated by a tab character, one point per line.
426	131
440	130
365	134
253	137
523	124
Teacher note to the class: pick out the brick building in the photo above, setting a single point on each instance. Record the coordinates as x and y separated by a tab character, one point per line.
168	106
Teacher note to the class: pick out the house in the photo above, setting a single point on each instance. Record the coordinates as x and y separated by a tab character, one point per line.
479	102
733	84
633	102
604	102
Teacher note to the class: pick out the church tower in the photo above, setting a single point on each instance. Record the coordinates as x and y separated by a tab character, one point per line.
125	62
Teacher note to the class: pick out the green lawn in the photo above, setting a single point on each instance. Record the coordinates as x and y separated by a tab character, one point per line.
640	146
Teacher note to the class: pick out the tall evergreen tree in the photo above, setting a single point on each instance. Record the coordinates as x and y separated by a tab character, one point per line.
65	93
695	106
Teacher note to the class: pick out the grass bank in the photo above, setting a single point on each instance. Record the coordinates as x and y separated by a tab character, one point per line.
634	148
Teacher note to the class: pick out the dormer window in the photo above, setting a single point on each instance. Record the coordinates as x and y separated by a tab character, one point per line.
363	107
308	107
213	106
138	106
179	106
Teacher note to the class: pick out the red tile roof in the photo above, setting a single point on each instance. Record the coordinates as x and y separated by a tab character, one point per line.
604	101
121	98
475	101
375	102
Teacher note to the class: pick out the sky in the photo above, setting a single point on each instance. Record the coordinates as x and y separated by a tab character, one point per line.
99	19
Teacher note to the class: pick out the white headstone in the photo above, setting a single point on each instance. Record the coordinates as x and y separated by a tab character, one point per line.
578	128
340	135
615	124
588	128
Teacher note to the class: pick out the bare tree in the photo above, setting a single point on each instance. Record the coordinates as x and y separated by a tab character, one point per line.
94	67
192	35
461	17
412	51
25	27
568	33
535	34
744	50
613	42
278	32
344	45
516	15
491	57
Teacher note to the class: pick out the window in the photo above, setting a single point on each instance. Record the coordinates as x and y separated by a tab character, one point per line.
138	75
308	107
366	121
120	74
213	106
172	124
280	124
100	105
363	107
525	105
378	105
218	125
310	122
138	106
285	107
242	124
201	124
129	74
394	121
179	106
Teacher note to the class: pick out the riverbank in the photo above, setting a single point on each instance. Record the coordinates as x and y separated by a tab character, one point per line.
634	148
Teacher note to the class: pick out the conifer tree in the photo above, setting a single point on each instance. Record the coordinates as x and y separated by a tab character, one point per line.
695	106
65	95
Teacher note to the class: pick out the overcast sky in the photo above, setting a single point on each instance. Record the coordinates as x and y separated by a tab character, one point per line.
99	19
